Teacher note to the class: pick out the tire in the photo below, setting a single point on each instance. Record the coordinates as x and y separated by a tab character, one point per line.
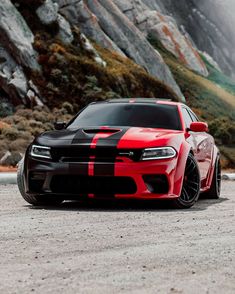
191	185
215	188
33	199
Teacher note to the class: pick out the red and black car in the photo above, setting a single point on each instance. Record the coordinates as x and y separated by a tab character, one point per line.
124	149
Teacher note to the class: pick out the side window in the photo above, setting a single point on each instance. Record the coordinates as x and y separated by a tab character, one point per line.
187	118
193	116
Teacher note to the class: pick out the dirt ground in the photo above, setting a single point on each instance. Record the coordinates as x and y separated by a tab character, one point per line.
117	247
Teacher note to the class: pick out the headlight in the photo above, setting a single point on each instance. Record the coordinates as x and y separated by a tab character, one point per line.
158	153
40	151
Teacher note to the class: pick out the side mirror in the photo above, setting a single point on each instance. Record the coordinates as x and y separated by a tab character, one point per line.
199	127
59	125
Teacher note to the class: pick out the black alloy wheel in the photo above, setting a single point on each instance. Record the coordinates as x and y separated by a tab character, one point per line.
191	185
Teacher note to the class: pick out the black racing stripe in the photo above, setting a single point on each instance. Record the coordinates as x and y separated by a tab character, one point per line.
110	143
104	169
83	140
79	169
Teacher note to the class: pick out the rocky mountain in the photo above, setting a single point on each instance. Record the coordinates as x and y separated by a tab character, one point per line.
77	51
209	23
119	25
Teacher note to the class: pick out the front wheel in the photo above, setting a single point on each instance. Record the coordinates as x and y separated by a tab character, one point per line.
191	185
33	199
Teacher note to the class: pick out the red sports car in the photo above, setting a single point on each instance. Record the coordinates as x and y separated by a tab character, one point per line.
124	148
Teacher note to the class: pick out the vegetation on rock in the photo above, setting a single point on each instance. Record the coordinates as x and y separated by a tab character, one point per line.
18	130
212	99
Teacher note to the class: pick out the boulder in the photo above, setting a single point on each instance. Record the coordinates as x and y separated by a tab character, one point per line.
47	12
65	33
90	48
12	78
16	36
48	15
14	81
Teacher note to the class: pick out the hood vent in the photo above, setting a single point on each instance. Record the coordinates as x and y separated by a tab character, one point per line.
103	131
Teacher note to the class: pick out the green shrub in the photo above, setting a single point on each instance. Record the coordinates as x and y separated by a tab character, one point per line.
8	120
37	131
19	145
13	159
10	133
48	126
5	108
68	107
26	113
41	116
26	135
223	129
3	147
35	124
23	125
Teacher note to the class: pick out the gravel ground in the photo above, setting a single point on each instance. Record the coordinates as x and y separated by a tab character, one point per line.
117	248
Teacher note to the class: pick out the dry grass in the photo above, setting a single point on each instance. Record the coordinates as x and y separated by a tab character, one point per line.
204	83
68	71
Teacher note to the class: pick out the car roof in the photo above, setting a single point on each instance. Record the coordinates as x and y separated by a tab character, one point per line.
141	100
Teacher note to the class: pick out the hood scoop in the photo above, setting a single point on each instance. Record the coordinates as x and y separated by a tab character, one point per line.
99	131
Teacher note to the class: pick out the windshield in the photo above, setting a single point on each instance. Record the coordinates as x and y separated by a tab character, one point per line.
128	115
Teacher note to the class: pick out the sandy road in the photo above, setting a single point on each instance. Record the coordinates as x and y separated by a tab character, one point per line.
127	247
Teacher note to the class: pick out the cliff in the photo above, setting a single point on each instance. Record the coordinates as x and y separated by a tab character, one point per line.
77	51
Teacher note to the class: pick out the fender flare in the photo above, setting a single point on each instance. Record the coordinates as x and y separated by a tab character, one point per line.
215	155
182	155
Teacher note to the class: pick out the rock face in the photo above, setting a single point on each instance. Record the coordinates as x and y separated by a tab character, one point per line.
210	23
16	36
79	15
104	21
164	29
12	78
131	41
182	27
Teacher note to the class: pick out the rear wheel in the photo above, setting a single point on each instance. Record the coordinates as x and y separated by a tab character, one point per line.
33	199
214	191
191	185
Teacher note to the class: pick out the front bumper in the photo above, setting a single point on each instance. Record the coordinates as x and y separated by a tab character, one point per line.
41	177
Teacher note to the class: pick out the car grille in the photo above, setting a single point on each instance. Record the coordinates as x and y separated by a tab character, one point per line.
101	154
75	184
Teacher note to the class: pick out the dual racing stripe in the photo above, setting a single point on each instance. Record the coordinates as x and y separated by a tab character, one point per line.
111	143
82	140
99	142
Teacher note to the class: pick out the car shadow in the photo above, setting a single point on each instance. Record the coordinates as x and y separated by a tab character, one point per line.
127	205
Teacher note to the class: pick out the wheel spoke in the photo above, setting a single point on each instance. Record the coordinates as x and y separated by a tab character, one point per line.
191	183
191	188
192	169
186	196
189	166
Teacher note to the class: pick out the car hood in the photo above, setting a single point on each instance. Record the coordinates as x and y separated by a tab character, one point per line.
120	137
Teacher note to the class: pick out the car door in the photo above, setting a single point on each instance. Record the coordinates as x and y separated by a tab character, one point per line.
202	143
